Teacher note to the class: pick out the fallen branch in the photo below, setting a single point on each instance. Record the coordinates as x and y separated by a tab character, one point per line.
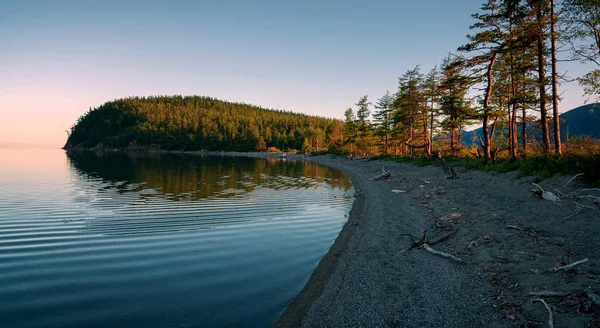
578	194
449	172
424	242
547	195
550	316
433	251
594	297
570	266
573	178
527	231
384	175
448	219
549	293
444	237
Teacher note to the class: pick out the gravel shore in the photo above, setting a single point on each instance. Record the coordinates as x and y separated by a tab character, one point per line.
508	240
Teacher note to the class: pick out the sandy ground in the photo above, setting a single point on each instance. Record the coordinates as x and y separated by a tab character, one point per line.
508	239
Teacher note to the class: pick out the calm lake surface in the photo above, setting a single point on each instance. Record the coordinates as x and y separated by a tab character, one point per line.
160	240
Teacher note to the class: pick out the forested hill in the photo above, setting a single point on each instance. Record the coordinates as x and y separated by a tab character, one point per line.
195	123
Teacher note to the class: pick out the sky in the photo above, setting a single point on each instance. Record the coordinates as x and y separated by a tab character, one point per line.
60	58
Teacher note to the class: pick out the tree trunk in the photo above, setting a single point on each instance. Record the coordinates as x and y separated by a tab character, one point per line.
512	124
486	144
557	144
524	130
542	83
430	146
426	132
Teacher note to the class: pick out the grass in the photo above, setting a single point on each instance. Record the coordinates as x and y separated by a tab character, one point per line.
542	166
539	166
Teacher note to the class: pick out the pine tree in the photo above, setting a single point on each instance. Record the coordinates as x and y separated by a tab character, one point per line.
454	103
382	119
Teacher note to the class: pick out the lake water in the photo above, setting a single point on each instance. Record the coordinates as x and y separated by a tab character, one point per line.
160	240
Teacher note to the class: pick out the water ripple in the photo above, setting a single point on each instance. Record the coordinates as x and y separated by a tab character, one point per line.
169	245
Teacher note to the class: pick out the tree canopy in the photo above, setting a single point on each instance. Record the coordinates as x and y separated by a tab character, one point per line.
196	123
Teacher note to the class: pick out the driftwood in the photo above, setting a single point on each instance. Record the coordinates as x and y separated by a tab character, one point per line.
550	316
351	157
541	193
549	293
573	178
425	243
450	218
431	250
570	266
448	171
527	231
384	175
594	297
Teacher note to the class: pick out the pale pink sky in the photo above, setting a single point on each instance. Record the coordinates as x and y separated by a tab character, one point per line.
61	57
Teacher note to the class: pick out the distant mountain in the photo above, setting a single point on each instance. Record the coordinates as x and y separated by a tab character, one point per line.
581	121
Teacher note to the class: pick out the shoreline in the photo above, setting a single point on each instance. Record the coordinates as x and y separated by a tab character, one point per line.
507	238
509	241
295	312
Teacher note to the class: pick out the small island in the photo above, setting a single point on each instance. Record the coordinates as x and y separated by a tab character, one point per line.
197	123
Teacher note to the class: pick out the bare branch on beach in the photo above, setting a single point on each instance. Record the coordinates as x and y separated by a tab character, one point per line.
527	231
549	293
424	242
433	251
594	297
384	175
570	266
573	178
547	195
444	237
550	316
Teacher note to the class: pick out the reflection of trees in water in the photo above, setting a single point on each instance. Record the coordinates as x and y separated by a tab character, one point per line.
184	176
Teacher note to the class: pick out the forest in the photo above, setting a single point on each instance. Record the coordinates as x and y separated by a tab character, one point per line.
505	79
197	123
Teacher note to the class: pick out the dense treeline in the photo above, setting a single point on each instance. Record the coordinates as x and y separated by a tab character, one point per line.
505	78
196	123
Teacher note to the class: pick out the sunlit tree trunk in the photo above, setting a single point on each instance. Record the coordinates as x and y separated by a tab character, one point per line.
557	143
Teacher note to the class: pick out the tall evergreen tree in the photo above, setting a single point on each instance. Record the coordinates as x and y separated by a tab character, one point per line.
382	119
553	38
432	93
487	45
410	106
362	113
454	103
350	130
